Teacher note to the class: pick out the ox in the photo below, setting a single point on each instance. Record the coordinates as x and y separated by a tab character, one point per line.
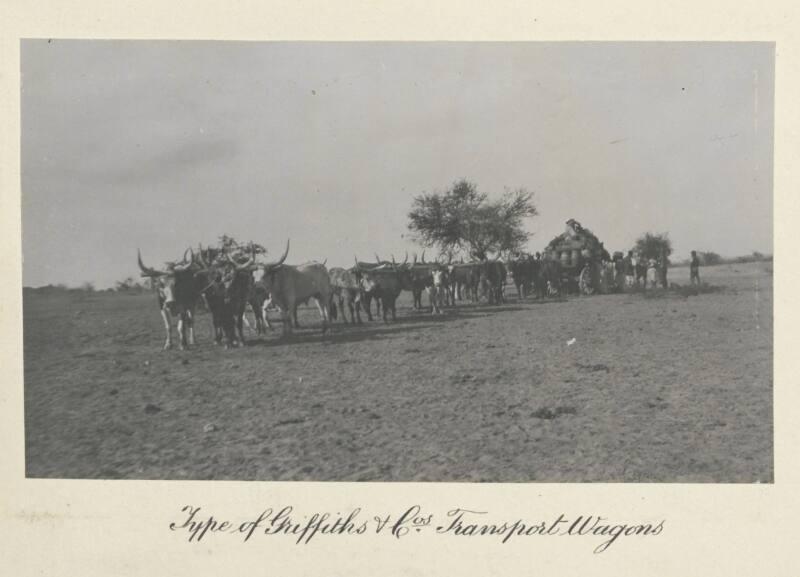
369	294
385	282
178	288
290	286
493	280
463	281
346	290
227	293
524	271
548	281
421	279
437	291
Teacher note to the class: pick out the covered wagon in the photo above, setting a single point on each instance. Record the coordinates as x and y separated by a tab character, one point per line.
581	255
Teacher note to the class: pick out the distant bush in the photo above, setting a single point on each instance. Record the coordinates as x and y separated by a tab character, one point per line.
129	285
710	258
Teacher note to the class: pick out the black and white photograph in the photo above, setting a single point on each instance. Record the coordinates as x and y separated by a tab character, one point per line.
498	262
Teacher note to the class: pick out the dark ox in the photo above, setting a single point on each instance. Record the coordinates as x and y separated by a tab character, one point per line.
524	270
369	295
548	280
228	292
291	286
493	280
421	279
384	282
178	288
346	290
239	288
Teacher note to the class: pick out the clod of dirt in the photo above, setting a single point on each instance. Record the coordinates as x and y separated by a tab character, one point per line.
289	422
571	342
147	363
412	351
113	392
184	361
548	414
151	409
593	368
209	428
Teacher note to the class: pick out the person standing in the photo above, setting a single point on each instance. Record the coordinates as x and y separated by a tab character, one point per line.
630	273
694	269
652	273
663	265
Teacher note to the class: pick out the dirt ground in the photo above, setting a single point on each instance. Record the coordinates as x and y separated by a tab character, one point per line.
653	388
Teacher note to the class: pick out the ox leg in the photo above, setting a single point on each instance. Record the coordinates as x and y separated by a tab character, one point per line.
181	332
240	328
190	326
167	316
323	313
287	323
264	314
367	304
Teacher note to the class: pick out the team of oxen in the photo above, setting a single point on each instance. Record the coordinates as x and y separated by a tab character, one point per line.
228	280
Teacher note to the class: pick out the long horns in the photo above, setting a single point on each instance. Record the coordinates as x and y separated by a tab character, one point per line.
200	258
187	262
240	266
147	271
280	261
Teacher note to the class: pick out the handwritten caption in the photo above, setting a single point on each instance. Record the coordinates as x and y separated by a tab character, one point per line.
196	525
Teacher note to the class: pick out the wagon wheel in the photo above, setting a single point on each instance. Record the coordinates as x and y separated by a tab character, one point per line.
585	281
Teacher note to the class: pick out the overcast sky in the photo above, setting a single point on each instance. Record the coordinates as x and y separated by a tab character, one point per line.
161	145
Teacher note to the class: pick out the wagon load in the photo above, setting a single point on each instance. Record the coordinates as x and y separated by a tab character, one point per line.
580	252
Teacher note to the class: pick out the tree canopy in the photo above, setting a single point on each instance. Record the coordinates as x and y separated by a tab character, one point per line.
654	246
463	219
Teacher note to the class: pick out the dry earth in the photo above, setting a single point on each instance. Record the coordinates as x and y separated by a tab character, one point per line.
663	388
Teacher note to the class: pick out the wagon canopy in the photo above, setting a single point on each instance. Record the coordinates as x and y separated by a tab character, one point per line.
575	244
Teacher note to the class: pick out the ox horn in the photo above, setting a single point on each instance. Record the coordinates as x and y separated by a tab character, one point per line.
324	262
423	256
200	257
280	261
186	263
377	258
240	266
147	271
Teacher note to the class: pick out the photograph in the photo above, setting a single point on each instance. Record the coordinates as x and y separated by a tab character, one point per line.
393	262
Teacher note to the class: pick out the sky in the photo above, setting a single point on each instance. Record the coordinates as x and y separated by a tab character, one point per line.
161	145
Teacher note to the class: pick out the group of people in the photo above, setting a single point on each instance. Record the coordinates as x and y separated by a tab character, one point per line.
639	271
